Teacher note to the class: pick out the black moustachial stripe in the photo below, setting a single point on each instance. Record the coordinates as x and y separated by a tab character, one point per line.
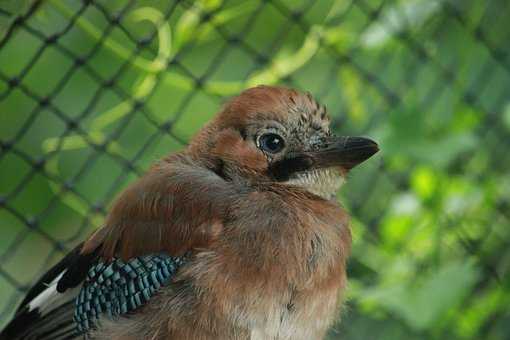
284	168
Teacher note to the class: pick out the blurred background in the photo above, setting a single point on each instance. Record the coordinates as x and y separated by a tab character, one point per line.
92	92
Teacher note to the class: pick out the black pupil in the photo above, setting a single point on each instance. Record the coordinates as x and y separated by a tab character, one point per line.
271	142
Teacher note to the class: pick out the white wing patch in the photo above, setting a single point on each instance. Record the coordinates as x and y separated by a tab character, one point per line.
49	299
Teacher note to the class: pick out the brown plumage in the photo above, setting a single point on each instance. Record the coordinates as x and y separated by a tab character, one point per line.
257	217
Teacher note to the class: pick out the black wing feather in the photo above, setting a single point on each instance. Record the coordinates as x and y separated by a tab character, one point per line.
34	322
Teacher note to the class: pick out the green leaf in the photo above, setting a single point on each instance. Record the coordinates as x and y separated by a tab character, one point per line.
190	21
424	182
506	116
353	90
396	19
409	135
286	64
224	16
427	303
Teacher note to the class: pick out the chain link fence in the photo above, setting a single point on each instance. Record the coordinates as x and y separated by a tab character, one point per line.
92	92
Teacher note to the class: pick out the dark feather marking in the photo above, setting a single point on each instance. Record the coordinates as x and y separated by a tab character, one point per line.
33	325
54	332
77	271
20	323
26	323
50	275
283	169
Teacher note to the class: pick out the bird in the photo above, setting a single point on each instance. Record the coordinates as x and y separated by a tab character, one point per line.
238	236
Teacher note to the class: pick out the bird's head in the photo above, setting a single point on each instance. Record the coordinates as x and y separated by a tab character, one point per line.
275	134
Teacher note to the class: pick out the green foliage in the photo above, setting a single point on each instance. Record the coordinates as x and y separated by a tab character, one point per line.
425	305
428	80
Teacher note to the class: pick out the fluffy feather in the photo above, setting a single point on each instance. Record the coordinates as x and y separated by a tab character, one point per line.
265	254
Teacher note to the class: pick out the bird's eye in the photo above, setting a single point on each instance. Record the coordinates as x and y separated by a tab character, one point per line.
271	142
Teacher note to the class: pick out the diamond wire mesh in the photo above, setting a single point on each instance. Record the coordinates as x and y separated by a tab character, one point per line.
92	92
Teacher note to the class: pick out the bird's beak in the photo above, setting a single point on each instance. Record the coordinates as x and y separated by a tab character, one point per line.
344	152
339	152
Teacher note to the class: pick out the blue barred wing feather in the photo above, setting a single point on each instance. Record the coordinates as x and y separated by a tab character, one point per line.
71	298
116	288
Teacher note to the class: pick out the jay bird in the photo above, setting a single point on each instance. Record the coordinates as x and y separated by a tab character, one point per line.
238	236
